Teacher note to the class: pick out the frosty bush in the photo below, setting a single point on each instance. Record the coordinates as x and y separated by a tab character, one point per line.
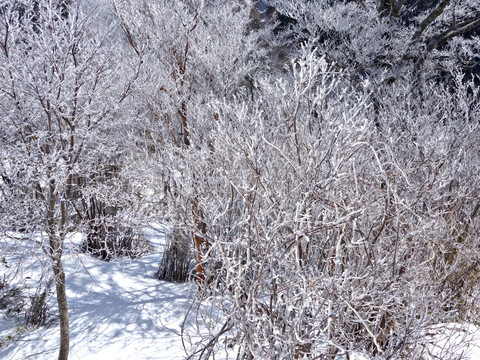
321	176
333	204
329	233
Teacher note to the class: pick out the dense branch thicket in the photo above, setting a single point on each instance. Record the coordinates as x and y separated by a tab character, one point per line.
338	196
317	160
329	233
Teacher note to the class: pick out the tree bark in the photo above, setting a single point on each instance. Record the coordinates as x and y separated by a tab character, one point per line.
62	309
430	18
56	250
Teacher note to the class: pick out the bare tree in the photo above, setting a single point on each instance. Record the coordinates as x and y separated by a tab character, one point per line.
328	197
60	87
191	52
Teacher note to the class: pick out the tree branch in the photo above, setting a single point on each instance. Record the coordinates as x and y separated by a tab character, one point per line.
436	41
430	18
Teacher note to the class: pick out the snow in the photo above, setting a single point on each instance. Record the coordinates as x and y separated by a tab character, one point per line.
455	341
118	310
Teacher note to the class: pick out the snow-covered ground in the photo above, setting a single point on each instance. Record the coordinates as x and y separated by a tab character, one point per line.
118	310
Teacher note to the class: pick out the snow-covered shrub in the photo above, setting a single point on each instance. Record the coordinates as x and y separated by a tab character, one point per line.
334	225
332	205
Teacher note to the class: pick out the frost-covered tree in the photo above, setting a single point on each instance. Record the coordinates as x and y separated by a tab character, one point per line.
329	234
61	84
191	53
386	37
330	191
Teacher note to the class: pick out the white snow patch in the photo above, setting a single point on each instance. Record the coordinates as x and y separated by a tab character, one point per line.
454	341
118	310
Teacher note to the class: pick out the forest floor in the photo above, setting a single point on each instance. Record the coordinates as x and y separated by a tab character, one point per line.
118	310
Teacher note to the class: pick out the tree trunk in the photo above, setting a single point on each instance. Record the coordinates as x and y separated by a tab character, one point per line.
62	309
56	251
199	241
